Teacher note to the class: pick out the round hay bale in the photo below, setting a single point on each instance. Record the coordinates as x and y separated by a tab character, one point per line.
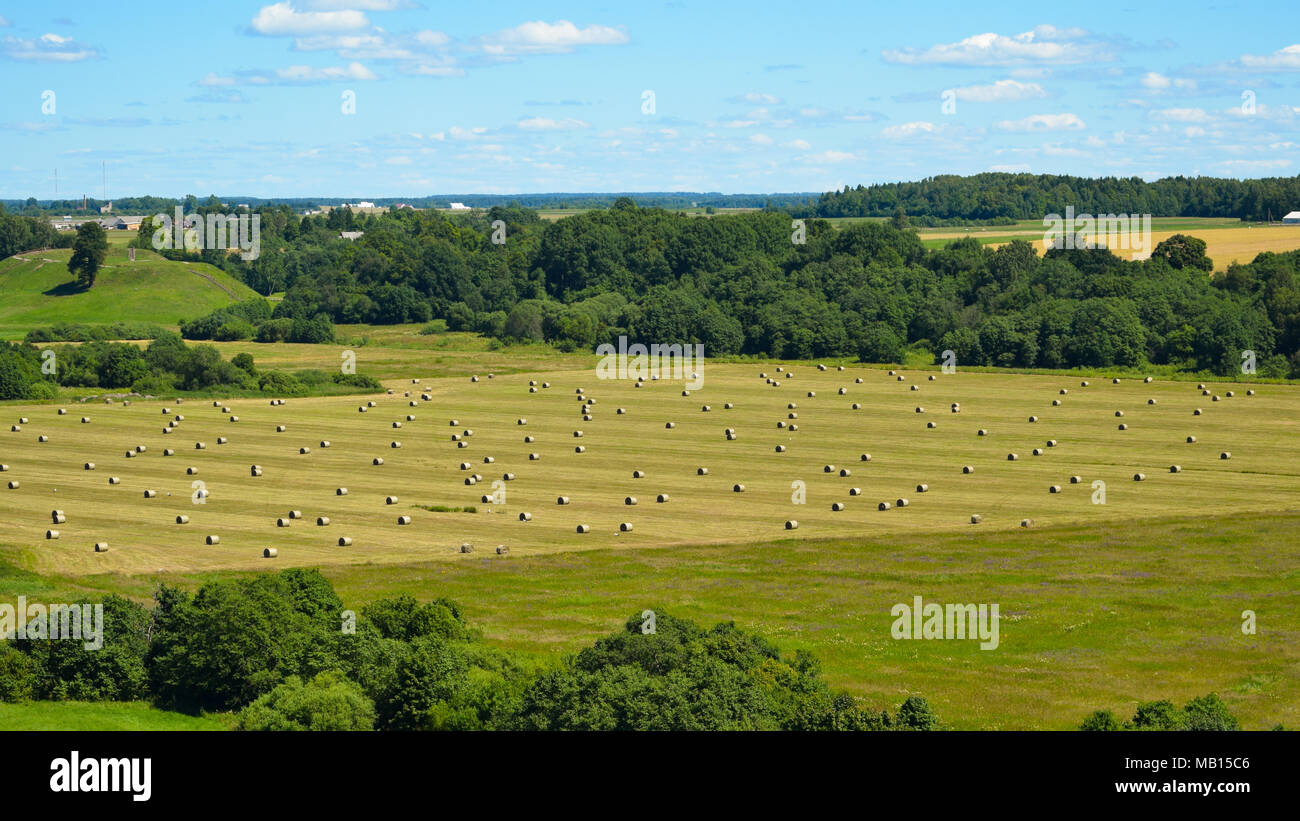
342	491
1054	489
580	449
705	408
1229	394
1139	477
857	406
304	450
390	500
1074	480
1038	451
661	498
234	419
394	444
377	461
630	500
295	514
4	468
901	503
858	381
922	488
559	500
113	480
1119	413
487	460
586	417
884	506
85	420
1191	440
932	425
901	379
1123	426
15	429
1051	443
701	471
1011	457
270	553
1196	412
322	521
844	391
200	446
528	440
792	415
855	491
866	457
967	469
470	480
1175	468
1225	455
821	367
1033	419
130	454
58	518
893	373
781	424
837	506
13	485
1205	393
780	448
51	534
533	457
1083	384
502	550
485	499
64	411
731	436
404	520
812	394
1148	380
42	438
1115	381
1250	392
525	517
101	547
214	540
791	524
191	471
150	494
281	522
976	519
397	424
1026	522
1151	401
669	425
280	428
737	488
844	472
933	377
981	432
916	387
1214	398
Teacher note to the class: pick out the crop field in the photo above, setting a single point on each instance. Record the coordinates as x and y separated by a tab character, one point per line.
1106	599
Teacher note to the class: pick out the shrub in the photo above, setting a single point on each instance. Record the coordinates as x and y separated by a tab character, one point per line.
328	701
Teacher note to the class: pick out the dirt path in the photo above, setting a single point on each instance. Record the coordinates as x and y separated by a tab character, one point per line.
214	282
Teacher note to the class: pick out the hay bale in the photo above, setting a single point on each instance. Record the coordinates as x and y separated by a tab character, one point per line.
1053	488
967	469
57	517
533	457
51	534
1205	393
1214	398
322	521
303	451
580	449
403	520
466	547
1083	384
791	524
900	379
269	553
502	550
669	425
214	540
234	419
150	494
858	381
1229	394
1148	380
1115	381
844	391
731	436
191	471
781	424
1026	522
844	472
1175	468
821	367
855	491
470	480
15	429
1051	443
932	425
101	547
812	394
638	474
1191	440
837	506
629	500
42	438
1033	419
705	408
916	387
390	500
1196	412
976	519
345	541
866	457
982	432
792	415
342	491
280	428
85	420
1038	451
1074	480
113	480
737	488
621	411
686	393
1123	426
901	503
1151	401
130	454
884	506
1250	392
13	485
1225	455
200	446
701	471
397	424
63	411
1011	457
4	468
282	522
394	444
857	406
780	448
559	500
1139	477
525	517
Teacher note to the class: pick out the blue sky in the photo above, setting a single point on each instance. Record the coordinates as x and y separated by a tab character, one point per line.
249	97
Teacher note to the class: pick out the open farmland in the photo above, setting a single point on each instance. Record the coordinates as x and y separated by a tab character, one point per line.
825	431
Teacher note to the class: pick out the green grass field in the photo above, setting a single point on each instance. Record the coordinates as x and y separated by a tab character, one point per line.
1103	604
80	715
36	290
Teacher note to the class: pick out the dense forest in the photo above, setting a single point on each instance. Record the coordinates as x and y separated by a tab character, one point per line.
739	285
278	651
1002	196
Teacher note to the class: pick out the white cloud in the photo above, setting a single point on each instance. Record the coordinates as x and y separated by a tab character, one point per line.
1043	122
1044	44
282	19
740	124
49	48
1156	82
4	23
365	5
1284	59
908	130
760	139
539	37
548	124
802	145
763	99
1016	168
314	74
1002	91
829	156
1180	115
426	70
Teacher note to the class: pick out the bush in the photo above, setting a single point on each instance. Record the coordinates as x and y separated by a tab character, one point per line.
17	673
326	702
275	330
1102	720
234	330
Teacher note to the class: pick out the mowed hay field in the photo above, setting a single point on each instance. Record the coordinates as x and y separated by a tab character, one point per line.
1260	433
1102	605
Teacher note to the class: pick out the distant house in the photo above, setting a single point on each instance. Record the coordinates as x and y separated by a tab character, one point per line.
459	206
1292	219
351	235
106	209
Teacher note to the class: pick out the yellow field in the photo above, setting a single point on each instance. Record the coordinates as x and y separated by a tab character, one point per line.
1259	431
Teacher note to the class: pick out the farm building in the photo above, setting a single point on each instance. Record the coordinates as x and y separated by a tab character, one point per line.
1292	219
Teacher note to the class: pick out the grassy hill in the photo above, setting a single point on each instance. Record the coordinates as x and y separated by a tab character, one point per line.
112	715
36	289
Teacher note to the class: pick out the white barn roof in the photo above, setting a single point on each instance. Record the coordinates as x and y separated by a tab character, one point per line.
1294	215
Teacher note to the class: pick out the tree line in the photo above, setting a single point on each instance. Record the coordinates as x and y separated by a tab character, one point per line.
278	651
